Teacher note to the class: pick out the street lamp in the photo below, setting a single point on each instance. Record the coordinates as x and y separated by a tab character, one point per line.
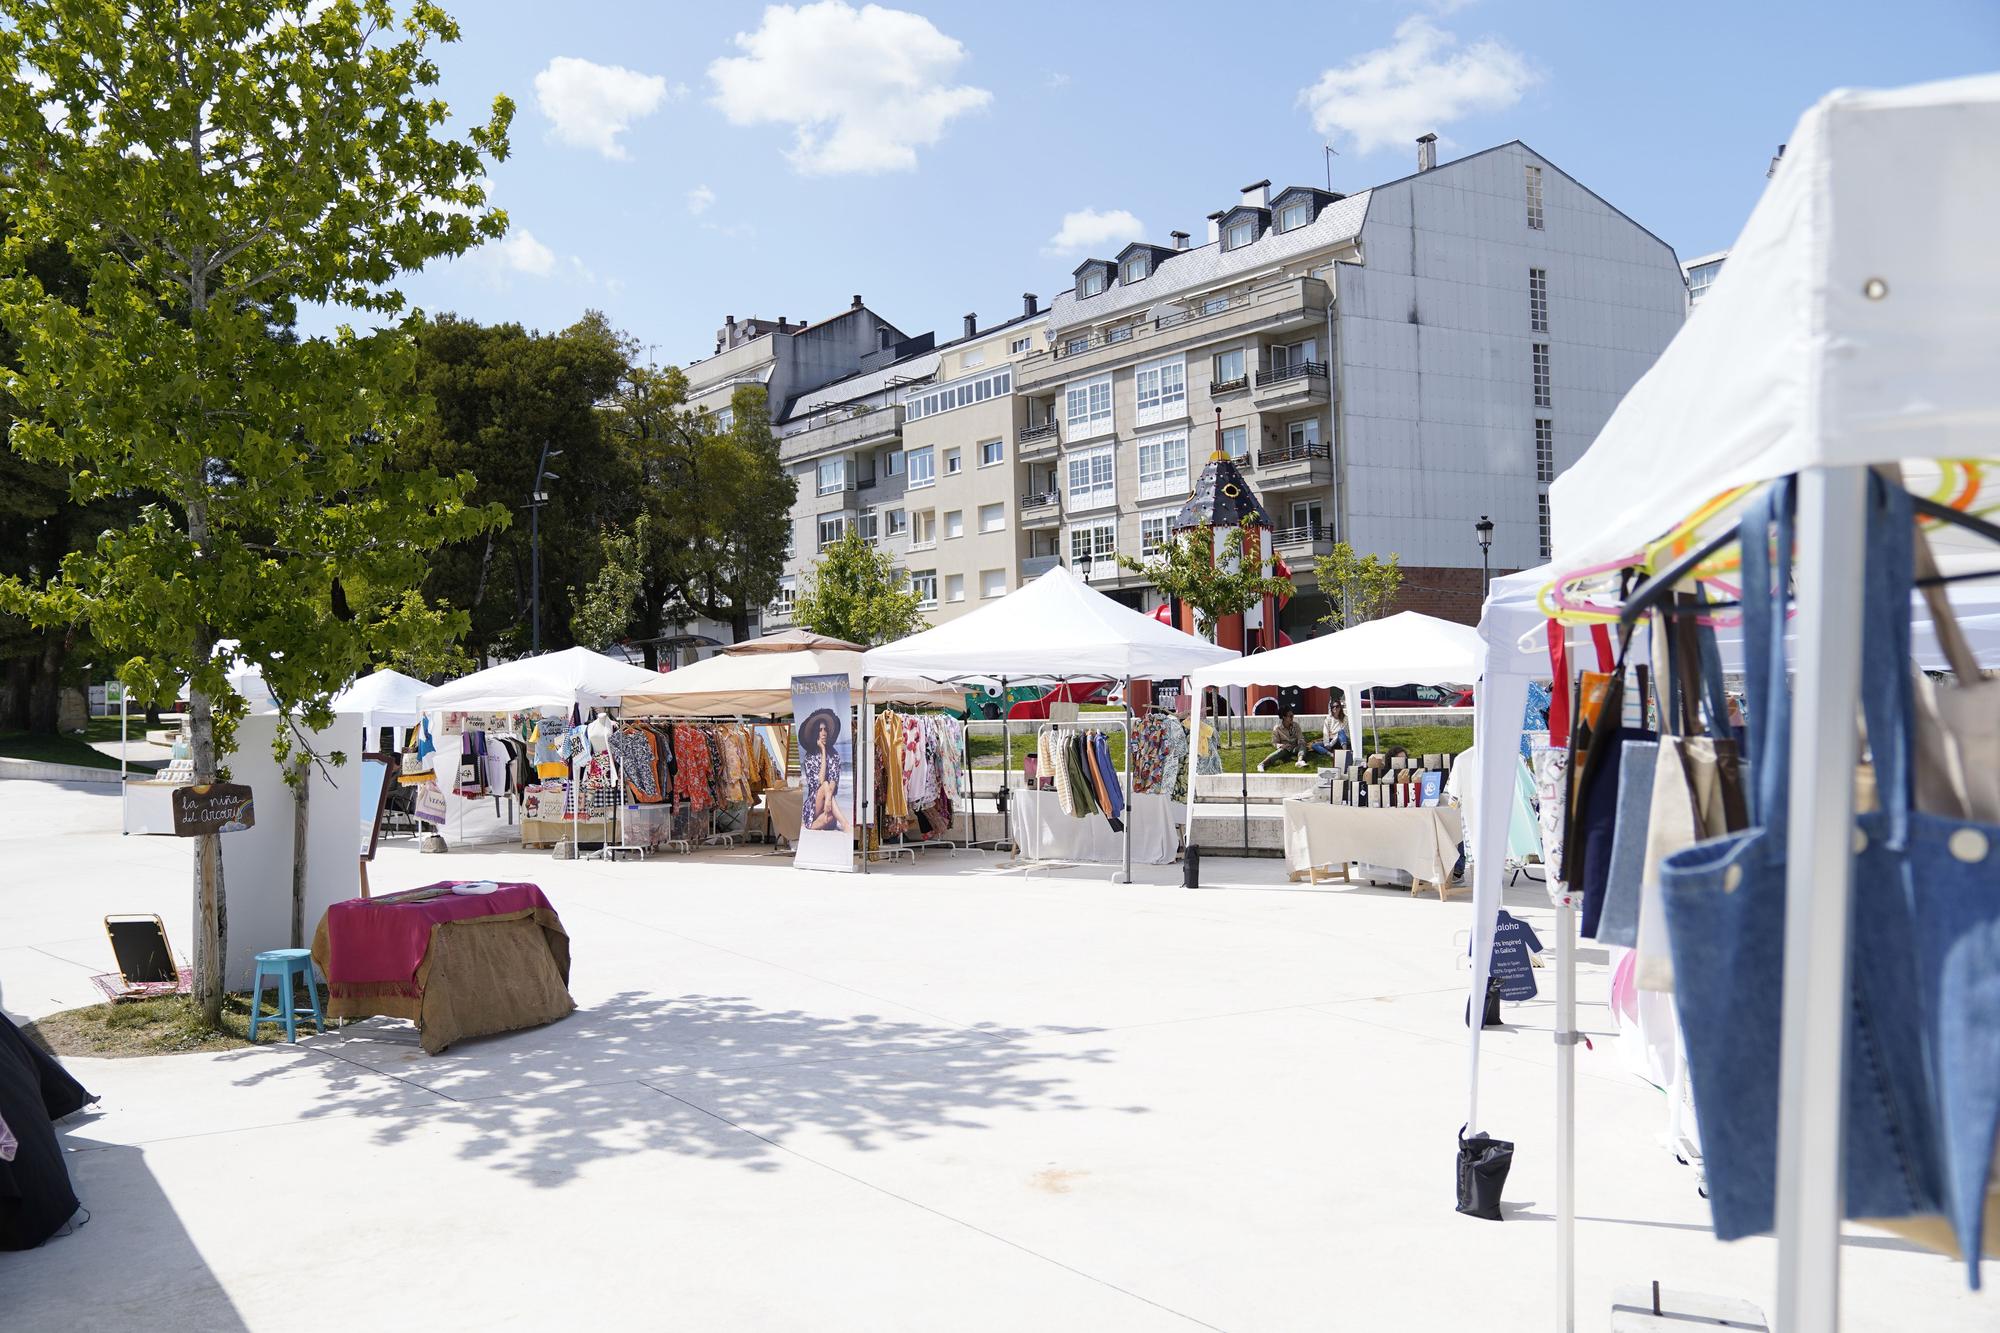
1083	564
536	499
1484	527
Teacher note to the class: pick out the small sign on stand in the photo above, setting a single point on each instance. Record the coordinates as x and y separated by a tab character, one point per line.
216	807
1514	944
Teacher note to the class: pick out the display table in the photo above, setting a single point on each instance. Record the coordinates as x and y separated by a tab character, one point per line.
549	832
457	965
1422	841
1044	832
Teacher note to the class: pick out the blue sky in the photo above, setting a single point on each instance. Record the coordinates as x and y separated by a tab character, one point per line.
675	163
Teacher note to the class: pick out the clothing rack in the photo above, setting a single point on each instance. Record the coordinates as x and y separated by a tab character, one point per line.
1065	729
886	850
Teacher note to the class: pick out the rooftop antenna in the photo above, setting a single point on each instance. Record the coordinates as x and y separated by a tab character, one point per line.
1331	153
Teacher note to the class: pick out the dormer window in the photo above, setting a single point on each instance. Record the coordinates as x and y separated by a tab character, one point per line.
1239	234
1295	215
1090	284
1136	269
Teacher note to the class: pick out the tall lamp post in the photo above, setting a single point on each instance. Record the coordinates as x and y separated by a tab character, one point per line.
536	499
1484	527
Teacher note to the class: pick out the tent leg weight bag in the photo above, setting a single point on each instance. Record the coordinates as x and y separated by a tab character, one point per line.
1191	867
1483	1164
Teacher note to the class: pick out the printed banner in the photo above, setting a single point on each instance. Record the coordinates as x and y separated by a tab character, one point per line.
820	707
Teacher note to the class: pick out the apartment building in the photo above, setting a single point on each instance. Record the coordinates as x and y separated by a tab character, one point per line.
1701	275
916	451
1386	366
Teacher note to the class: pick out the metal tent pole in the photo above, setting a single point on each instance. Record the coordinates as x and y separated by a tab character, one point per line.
1131	811
1566	1040
1007	774
1818	884
1243	758
864	751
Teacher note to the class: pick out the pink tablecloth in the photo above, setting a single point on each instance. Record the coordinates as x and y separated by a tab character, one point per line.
381	942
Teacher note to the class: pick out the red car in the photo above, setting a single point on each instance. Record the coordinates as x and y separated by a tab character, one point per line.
1417	696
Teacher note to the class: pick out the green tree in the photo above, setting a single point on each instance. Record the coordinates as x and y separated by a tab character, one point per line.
1187	567
856	593
1360	588
210	166
501	392
606	609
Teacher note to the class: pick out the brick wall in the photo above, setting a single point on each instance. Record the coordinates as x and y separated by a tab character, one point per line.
1448	594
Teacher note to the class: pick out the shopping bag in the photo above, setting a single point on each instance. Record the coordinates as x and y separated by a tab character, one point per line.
1483	1164
430	803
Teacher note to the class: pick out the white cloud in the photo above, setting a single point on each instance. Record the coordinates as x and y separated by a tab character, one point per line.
699	199
1419	83
862	89
590	105
522	253
1055	80
1087	229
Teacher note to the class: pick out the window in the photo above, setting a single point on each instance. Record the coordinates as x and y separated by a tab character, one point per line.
1154	530
954	523
923	467
971	359
923	529
1161	390
1293	356
929	402
1076	345
1092	481
1097	540
1163	466
1303	434
725	418
1542	523
1295	215
1306	518
1538	300
899	523
788	592
1545	450
1236	441
954	460
924	583
1215	305
1088	407
892	462
1121	334
832	476
1020	345
1534	197
992	518
832	527
1229	372
991	453
954	587
1700	278
1136	269
1542	396
1240	234
869	525
1090	284
992	583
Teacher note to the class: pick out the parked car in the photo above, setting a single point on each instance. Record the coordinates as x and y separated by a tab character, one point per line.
1076	692
1418	696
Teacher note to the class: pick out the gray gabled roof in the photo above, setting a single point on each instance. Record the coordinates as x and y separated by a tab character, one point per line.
856	387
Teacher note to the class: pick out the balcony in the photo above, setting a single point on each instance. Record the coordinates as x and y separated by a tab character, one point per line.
1305	539
1041	509
1037	565
1041	440
1289	466
840	430
1223	388
1293	385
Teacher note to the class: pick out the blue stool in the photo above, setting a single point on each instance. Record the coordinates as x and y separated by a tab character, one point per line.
281	965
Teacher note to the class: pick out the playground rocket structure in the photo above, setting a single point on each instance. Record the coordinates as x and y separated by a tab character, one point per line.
1224	500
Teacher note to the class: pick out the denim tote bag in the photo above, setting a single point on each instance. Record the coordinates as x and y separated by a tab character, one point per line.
1725	908
1619	922
1950	870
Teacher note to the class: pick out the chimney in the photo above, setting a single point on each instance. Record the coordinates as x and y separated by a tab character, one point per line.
1427	152
971	325
857	302
1180	239
881	337
1257	194
1029	305
781	324
1214	228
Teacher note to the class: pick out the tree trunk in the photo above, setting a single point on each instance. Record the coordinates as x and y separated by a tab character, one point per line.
301	825
739	623
20	680
45	692
211	906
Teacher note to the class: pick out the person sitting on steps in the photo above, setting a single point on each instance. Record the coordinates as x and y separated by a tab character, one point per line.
1333	736
1289	738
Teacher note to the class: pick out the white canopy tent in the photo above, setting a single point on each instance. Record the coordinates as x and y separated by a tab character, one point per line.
1856	323
571	678
754	679
384	698
1055	628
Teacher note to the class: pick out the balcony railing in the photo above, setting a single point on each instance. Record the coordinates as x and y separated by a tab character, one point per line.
1037	565
1278	455
1220	387
1043	431
1303	534
1040	500
1297	370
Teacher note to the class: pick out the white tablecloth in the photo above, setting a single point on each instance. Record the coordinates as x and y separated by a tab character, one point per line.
1422	841
1043	831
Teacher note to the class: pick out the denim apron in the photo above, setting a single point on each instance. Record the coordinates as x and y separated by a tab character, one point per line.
1725	908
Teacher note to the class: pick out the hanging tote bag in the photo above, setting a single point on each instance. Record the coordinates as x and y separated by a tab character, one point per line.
1725	908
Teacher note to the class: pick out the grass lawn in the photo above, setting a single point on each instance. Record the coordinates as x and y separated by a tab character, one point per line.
66	749
1237	757
170	1026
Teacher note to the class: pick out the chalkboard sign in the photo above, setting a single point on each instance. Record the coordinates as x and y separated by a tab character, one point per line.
219	807
1513	942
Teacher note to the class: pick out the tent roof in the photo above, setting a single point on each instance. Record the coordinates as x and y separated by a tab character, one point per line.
759	684
1854	323
1408	648
789	641
384	698
573	676
1055	627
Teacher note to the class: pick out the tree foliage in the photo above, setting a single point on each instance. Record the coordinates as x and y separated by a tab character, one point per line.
1216	584
1360	588
209	166
856	593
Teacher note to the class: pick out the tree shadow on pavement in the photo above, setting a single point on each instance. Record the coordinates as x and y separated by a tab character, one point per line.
715	1077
